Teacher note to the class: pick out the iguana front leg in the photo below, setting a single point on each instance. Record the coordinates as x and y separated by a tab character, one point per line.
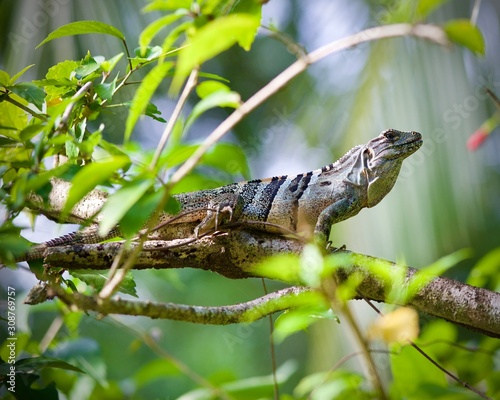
336	212
227	203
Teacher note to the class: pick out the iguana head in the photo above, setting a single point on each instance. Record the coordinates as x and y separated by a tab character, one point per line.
382	158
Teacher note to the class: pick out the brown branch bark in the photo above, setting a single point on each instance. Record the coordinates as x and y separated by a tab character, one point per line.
236	255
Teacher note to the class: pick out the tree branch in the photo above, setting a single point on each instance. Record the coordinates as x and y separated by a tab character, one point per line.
429	32
223	315
236	255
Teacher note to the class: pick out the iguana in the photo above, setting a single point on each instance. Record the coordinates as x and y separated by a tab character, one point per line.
319	198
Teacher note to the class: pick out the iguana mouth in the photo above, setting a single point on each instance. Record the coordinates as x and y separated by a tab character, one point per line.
404	149
400	150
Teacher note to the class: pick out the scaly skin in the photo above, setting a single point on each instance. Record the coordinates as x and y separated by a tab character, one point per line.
311	201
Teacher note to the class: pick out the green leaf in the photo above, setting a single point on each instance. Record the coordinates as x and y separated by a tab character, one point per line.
172	206
312	265
333	384
120	202
31	131
156	26
213	76
153	112
71	149
12	117
19	74
174	34
112	149
83	28
155	369
12	244
425	7
462	32
61	72
176	155
5	79
218	99
206	88
57	82
485	272
7	142
427	274
227	157
211	40
257	387
90	176
218	8
137	216
29	92
282	267
40	363
105	90
86	67
143	95
41	180
300	319
97	280
407	362
145	56
195	181
148	53
158	5
108	65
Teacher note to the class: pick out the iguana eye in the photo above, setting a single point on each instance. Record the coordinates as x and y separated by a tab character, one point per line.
391	135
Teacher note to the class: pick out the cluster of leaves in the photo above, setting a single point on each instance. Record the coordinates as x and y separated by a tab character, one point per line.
59	115
74	360
413	375
58	120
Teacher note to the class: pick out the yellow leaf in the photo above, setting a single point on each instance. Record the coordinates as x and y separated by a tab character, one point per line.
396	327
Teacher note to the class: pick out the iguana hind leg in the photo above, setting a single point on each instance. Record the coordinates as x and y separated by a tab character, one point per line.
230	204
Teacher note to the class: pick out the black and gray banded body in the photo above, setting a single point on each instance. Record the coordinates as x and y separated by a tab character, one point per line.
312	201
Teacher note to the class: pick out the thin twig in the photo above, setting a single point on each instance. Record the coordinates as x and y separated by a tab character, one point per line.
475	12
443	369
190	84
329	289
292	46
494	97
246	312
118	274
24	108
67	112
429	32
123	82
272	348
128	54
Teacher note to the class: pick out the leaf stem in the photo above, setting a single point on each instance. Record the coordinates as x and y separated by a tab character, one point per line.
128	54
329	289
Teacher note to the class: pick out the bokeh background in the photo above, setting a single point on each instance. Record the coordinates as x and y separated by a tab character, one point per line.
447	197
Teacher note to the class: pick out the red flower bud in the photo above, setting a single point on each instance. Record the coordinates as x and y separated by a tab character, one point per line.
476	139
